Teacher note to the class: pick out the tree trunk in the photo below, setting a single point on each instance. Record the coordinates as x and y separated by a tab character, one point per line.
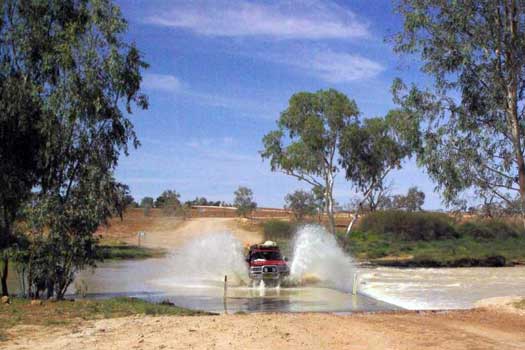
512	112
352	222
330	204
513	62
4	273
30	279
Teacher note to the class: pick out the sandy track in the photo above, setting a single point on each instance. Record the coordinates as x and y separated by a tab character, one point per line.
476	329
171	232
184	231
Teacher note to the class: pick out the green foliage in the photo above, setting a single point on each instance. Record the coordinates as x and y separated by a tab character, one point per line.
370	150
182	211
76	75
301	203
409	226
146	204
20	143
386	249
126	252
281	232
394	240
244	201
470	125
169	201
489	229
204	201
277	230
313	125
412	201
146	201
520	304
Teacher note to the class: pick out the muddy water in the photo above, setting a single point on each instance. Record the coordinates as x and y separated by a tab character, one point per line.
379	288
154	280
443	288
192	276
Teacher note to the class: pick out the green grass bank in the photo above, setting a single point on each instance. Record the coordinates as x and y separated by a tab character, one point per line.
119	251
397	238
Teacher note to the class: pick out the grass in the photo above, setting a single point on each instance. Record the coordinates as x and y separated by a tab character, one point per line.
384	249
60	313
421	239
520	304
122	251
281	232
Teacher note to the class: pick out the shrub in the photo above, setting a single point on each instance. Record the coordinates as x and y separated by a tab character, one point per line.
488	229
409	226
278	230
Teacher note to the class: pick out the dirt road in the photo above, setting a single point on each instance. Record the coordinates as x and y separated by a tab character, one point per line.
170	232
476	329
190	229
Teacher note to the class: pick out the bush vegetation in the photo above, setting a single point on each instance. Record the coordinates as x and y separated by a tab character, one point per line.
409	225
275	230
281	232
125	252
421	239
434	239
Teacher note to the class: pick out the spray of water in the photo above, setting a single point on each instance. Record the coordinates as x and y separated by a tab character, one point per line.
318	257
208	259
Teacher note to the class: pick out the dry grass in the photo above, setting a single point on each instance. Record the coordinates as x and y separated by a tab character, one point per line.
520	304
59	313
125	231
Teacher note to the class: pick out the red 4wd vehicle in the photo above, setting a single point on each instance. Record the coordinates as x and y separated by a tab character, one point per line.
266	263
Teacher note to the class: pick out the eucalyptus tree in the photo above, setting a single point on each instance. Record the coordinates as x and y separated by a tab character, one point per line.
301	203
85	78
20	142
412	201
305	144
370	150
243	201
472	120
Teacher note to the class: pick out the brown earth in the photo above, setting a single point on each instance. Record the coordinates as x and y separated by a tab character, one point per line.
475	329
171	232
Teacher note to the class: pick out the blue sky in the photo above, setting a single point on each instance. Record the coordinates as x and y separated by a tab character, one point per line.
221	72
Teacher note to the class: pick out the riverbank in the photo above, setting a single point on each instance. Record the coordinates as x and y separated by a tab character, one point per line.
122	251
19	312
450	330
383	250
448	245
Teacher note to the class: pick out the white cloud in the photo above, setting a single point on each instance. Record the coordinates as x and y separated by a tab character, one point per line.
333	67
172	85
312	19
161	82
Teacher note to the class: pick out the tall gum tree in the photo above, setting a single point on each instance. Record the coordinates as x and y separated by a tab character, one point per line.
370	150
472	121
305	144
84	78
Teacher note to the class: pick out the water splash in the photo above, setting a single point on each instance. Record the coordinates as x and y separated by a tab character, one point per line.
208	259
318	258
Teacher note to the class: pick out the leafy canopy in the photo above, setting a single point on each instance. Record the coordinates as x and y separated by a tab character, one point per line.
243	200
471	122
79	80
305	144
301	203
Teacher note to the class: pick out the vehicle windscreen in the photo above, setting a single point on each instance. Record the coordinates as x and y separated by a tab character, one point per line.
269	255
